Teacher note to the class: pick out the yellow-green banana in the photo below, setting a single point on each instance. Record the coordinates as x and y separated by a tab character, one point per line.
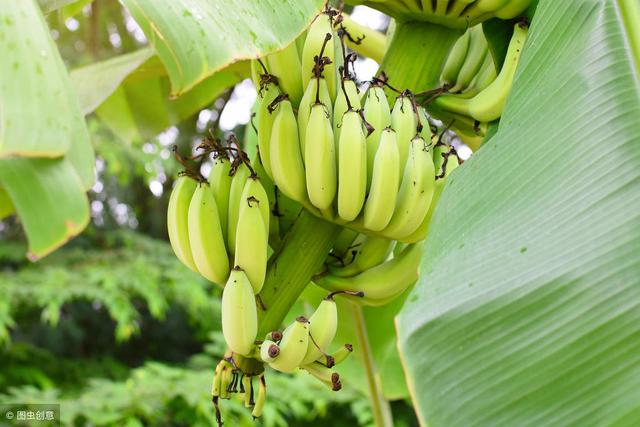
285	65
403	121
262	397
205	236
381	201
321	174
323	374
341	106
368	252
235	193
286	159
512	9
454	60
239	313
485	76
220	182
378	114
178	218
316	35
316	89
293	346
339	355
352	167
323	325
265	118
473	60
269	350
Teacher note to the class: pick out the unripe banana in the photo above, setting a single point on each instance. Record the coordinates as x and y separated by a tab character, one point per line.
285	65
415	192
377	113
252	235
205	236
248	391
269	350
512	9
265	118
272	192
239	313
324	375
256	71
403	121
220	182
215	386
339	355
485	76
235	193
380	204
178	218
316	34
370	252
473	60
293	346
454	60
341	106
441	7
321	176
323	325
352	167
226	376
425	133
458	6
381	283
316	90
262	397
286	158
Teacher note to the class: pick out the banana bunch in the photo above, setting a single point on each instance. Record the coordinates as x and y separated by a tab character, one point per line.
486	104
229	379
450	13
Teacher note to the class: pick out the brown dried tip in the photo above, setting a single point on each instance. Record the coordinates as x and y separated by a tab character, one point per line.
337	386
330	361
302	319
349	347
335	378
276	335
274	350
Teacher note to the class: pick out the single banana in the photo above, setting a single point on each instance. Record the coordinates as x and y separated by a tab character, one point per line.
265	118
226	376
458	6
341	105
487	105
269	350
512	9
403	121
352	167
272	192
178	219
381	201
381	283
472	62
321	176
262	397
338	356
239	313
323	325
286	159
285	65
252	234
220	182
215	386
235	193
206	237
454	60
324	375
441	7
247	385
370	252
378	114
293	346
316	34
316	90
415	192
256	71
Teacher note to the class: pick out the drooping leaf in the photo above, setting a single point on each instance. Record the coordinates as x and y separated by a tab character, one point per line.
196	38
49	199
528	310
39	112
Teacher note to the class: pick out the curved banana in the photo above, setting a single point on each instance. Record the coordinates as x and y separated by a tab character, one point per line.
323	325
269	350
381	201
285	65
177	220
286	159
235	193
205	236
252	234
378	114
247	385
316	34
487	105
512	9
316	90
323	374
341	105
404	122
472	62
239	313
381	283
265	119
321	174
485	76
415	192
370	252
340	354
454	60
352	167
262	397
458	6
220	182
293	346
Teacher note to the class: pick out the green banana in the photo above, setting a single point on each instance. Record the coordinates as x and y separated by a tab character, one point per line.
403	121
472	62
235	193
485	76
265	119
321	176
369	251
262	397
378	114
352	167
286	159
293	346
380	203
415	192
285	65
324	375
248	391
441	7
316	34
272	192
512	9
323	325
239	313
458	6
178	220
316	90
252	234
487	105
454	60
382	282
256	71
339	355
341	105
269	350
220	182
205	236
344	242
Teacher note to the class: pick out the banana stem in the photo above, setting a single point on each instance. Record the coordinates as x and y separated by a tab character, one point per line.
371	42
301	255
379	405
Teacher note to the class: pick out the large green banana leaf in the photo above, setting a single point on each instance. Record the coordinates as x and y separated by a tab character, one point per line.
528	309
